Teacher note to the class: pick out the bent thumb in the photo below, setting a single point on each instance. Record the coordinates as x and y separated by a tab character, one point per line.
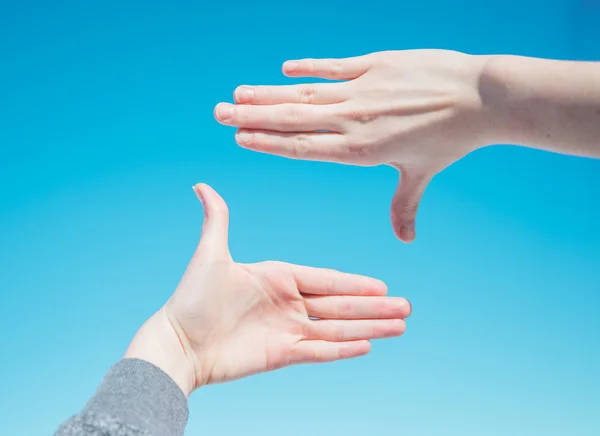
405	203
214	240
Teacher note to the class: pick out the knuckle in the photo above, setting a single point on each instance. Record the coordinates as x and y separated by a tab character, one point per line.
338	334
301	145
360	116
336	69
307	94
409	209
360	151
291	117
329	287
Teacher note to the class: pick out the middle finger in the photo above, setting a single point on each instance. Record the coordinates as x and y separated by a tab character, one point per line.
315	93
281	117
357	307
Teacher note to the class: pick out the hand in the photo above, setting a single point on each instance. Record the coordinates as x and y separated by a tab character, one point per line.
418	111
228	320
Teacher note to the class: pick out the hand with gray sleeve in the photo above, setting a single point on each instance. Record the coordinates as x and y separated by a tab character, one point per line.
228	320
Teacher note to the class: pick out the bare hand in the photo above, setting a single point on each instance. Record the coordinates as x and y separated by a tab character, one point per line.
418	111
232	320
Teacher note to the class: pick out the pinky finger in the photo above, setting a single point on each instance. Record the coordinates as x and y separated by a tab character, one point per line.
324	351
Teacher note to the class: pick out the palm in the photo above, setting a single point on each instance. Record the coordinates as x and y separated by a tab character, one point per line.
265	319
242	319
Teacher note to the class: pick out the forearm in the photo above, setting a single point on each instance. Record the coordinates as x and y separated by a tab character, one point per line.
135	398
545	104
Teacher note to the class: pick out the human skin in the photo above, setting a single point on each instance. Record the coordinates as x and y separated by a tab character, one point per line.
228	320
419	111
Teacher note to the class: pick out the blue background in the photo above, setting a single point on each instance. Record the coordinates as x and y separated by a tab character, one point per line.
106	123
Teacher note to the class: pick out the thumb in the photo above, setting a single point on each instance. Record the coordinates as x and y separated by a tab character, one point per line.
214	241
405	203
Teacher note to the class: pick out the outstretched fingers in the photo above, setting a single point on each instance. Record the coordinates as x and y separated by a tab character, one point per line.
351	310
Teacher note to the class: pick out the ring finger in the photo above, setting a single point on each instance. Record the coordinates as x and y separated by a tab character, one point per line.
356	307
319	146
344	330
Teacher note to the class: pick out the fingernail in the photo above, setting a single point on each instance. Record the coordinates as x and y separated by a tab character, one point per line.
407	234
291	65
224	112
243	137
244	93
197	191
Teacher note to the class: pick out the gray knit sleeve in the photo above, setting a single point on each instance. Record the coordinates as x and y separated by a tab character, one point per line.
135	398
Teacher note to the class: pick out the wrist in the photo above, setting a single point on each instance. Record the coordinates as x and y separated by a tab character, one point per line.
478	124
504	104
157	342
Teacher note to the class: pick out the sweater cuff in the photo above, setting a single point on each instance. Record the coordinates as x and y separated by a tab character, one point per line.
143	396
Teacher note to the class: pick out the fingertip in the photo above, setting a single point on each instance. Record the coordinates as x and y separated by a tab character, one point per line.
355	349
243	94
400	327
408	308
406	234
365	348
243	138
379	287
289	67
223	112
206	193
198	191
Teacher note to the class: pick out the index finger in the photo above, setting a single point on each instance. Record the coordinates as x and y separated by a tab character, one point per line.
320	281
286	117
332	69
